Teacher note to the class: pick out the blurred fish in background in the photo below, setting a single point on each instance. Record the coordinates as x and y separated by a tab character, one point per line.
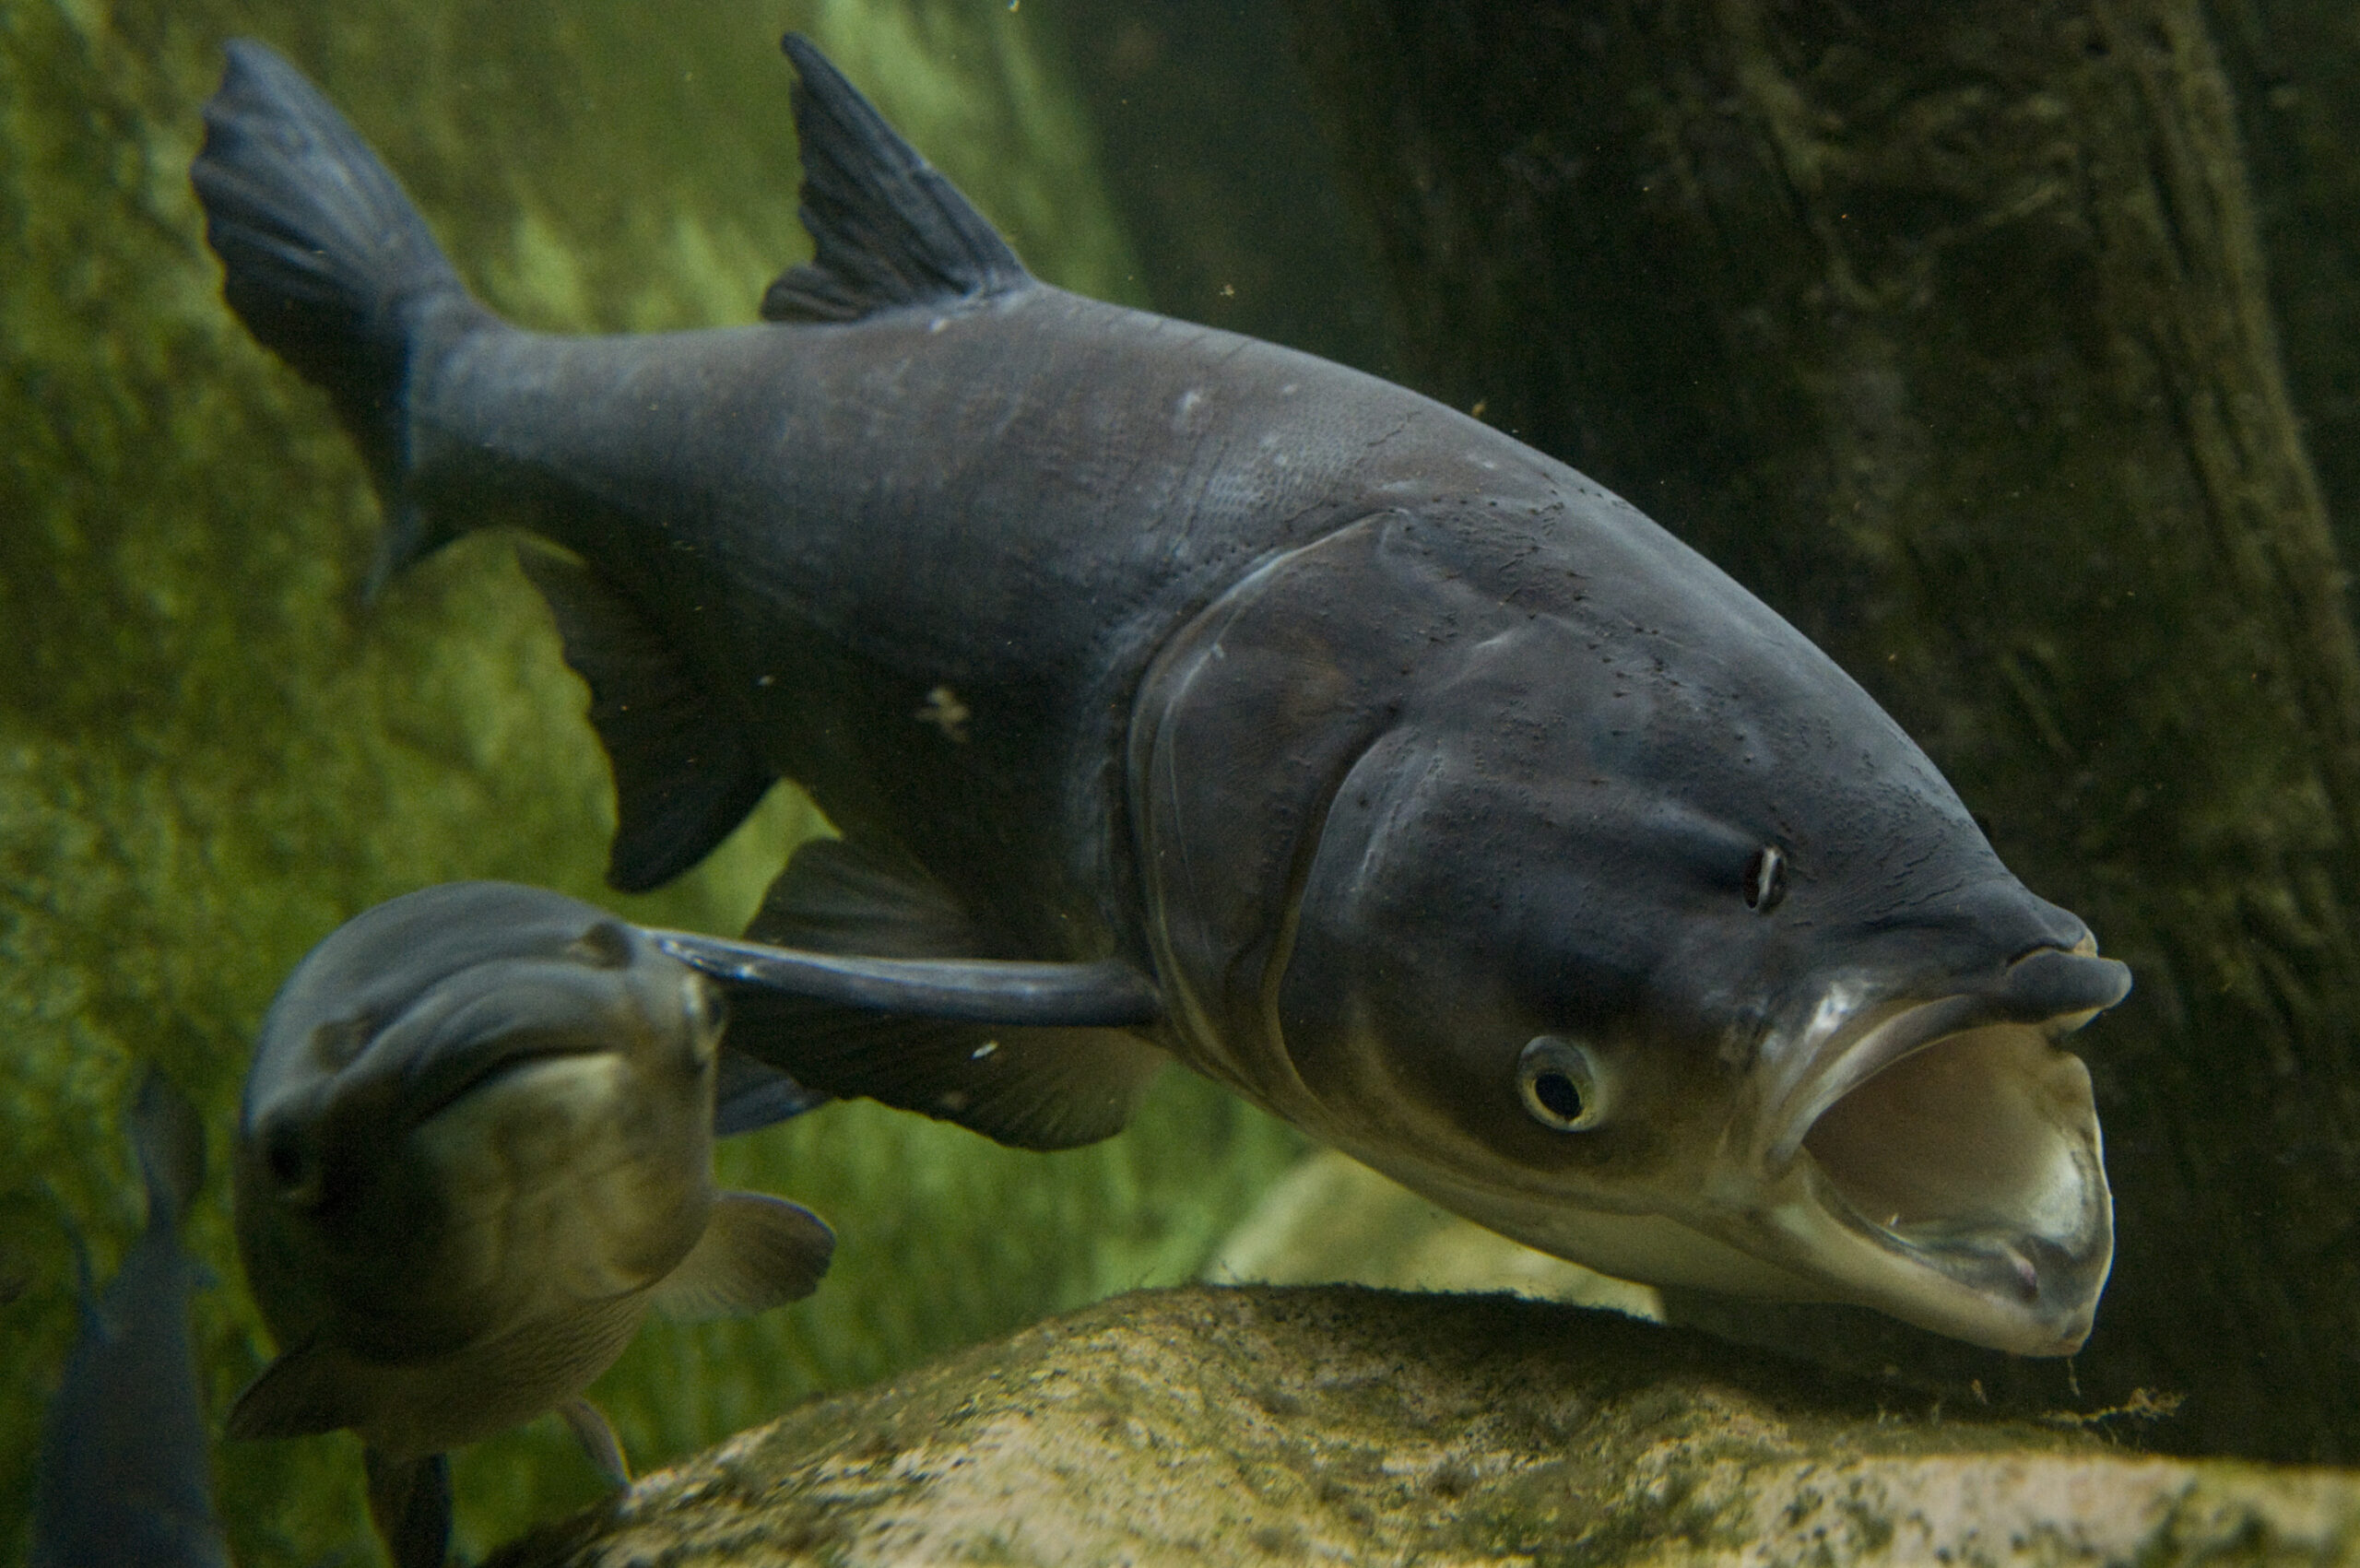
126	1471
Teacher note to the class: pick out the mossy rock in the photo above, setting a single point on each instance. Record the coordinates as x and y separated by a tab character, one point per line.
1210	1425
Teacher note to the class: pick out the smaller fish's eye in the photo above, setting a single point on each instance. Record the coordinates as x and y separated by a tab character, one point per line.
1562	1083
289	1156
1766	879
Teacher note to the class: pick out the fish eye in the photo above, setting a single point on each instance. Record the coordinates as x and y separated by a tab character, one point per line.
1766	879
288	1156
1562	1083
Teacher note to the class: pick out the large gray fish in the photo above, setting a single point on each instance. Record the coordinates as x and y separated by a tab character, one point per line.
127	1461
1180	695
476	1149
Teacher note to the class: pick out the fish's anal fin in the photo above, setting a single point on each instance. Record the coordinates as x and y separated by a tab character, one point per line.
685	770
596	1436
887	229
409	1501
756	1252
301	1393
1012	1079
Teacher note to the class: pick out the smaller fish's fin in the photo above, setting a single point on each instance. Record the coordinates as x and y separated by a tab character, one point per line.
750	1093
409	1499
887	229
686	772
168	1138
757	1252
1027	1086
590	1429
301	1393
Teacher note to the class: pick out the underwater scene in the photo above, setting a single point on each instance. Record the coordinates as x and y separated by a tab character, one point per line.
1078	781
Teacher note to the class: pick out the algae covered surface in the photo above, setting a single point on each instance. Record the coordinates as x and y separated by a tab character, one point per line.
211	752
1384	1428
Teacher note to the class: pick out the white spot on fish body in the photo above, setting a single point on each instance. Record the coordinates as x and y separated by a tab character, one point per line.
946	712
938	323
1187	403
986	1049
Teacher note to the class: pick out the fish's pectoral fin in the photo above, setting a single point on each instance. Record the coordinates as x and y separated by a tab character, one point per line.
1033	1055
409	1501
596	1435
887	229
686	769
756	1252
301	1393
1028	1088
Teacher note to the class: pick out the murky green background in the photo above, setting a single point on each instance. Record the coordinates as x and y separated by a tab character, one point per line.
210	754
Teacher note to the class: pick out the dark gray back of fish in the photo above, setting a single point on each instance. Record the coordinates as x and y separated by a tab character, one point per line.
795	534
126	1462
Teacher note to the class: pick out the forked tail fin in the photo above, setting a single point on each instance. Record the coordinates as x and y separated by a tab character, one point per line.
328	263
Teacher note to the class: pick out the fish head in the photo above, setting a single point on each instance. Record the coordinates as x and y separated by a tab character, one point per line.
1638	934
470	1108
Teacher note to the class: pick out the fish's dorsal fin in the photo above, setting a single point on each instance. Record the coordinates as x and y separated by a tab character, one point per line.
168	1138
756	1252
685	770
304	1393
887	229
1033	1055
409	1501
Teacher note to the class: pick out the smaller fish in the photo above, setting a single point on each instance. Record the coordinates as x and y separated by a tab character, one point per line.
125	1466
476	1149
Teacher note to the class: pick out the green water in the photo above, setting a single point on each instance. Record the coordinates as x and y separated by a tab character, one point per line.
210	755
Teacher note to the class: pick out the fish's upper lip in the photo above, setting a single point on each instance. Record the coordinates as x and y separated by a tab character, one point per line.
2052	987
433	1093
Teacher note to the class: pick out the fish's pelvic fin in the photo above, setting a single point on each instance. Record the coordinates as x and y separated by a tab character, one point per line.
685	770
1020	1083
749	1094
409	1501
168	1138
887	229
599	1444
302	1394
329	264
756	1252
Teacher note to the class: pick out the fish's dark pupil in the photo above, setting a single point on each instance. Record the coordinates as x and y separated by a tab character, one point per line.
1560	1094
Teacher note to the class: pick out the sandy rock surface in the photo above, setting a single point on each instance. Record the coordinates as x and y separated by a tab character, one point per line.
1208	1425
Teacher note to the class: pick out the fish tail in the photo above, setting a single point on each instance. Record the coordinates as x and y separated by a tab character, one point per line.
329	263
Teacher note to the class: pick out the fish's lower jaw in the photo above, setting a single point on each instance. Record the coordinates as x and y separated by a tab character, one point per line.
2027	1284
1945	1167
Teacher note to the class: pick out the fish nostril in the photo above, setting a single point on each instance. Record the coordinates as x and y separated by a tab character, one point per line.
1766	879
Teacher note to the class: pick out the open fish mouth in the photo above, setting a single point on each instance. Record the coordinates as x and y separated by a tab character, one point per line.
1945	1155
